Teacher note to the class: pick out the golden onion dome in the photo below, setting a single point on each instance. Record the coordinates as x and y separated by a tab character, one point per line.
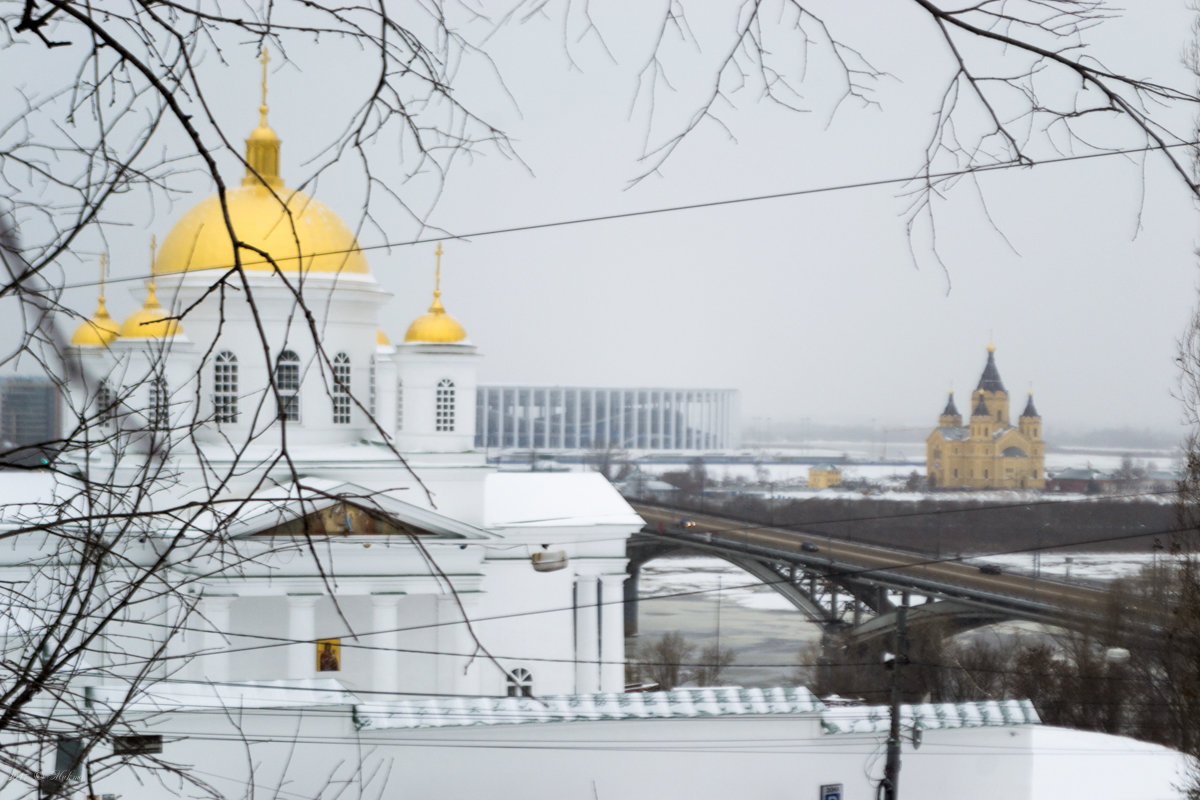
298	232
99	331
382	339
436	325
150	321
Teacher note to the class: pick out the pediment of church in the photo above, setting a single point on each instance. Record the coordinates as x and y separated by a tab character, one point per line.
344	519
330	508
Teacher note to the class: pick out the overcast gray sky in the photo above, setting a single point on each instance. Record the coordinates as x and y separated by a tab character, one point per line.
818	306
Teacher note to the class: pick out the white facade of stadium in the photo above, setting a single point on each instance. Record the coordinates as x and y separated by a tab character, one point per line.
590	418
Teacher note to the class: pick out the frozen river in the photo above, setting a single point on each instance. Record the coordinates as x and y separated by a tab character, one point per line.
703	598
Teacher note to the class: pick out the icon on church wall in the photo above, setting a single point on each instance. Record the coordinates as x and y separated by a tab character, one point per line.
329	655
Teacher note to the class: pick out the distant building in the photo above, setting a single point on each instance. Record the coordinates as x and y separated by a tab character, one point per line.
587	418
1081	480
988	453
824	476
30	411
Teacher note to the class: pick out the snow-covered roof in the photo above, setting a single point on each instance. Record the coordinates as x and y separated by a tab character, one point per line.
876	719
541	499
955	434
438	712
186	695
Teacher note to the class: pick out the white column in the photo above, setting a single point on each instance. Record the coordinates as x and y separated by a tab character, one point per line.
176	648
669	441
637	417
578	418
454	641
215	665
302	627
484	429
620	417
530	431
385	395
587	635
385	661
612	633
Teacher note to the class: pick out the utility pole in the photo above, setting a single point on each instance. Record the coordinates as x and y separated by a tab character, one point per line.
891	771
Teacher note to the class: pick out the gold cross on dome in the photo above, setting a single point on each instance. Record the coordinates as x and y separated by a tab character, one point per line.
437	283
262	109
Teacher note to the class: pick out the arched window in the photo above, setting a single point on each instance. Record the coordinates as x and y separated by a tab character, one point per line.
341	389
443	417
225	387
400	405
520	683
287	382
371	387
159	404
105	404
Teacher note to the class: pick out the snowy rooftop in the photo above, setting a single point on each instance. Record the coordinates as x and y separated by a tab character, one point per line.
530	499
875	719
436	712
189	696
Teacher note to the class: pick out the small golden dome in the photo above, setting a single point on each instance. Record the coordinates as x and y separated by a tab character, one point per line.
149	321
382	339
99	331
436	325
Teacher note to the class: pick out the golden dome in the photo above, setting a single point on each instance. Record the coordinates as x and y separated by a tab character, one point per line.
297	231
149	321
200	240
436	325
99	331
382	339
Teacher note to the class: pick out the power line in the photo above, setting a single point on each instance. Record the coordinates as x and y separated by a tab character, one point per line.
932	177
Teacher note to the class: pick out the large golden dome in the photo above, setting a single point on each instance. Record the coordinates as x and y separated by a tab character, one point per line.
307	235
297	231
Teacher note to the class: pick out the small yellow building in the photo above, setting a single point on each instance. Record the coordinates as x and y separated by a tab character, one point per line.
824	476
987	453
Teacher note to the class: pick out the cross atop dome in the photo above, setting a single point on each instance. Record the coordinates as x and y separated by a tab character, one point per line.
262	148
436	326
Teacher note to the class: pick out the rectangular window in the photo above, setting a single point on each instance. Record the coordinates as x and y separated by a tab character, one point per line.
148	744
159	404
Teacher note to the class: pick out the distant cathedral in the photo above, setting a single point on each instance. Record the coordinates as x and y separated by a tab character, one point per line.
987	453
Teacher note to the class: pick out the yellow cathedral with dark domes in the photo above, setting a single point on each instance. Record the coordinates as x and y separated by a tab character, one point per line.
988	452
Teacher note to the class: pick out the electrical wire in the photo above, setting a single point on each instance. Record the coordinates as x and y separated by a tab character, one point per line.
620	215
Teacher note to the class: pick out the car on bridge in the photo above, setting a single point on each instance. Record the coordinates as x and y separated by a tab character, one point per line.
989	569
809	547
687	524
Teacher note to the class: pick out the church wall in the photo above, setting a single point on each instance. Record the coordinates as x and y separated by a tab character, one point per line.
529	621
310	751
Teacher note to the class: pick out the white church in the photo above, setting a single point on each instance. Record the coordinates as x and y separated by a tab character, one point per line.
347	601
